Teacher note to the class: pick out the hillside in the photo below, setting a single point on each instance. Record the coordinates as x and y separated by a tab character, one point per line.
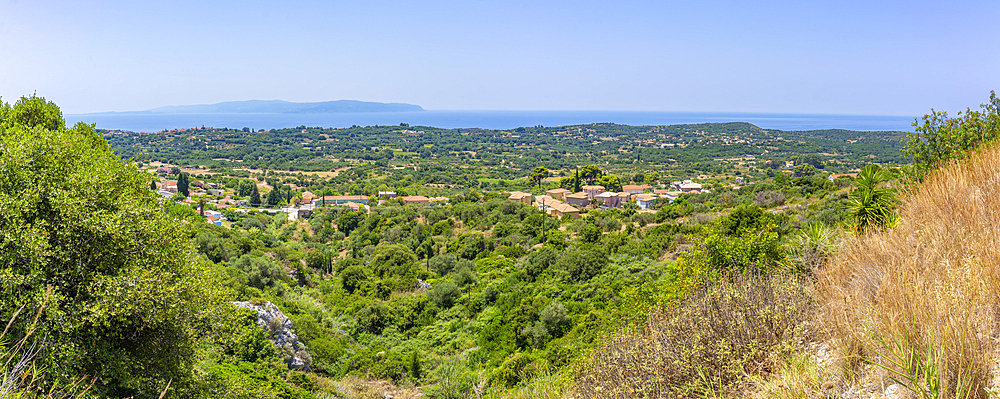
424	262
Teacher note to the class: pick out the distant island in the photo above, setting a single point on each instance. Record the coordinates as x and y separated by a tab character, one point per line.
285	107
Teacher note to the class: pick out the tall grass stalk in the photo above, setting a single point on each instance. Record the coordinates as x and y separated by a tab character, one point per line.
922	300
706	346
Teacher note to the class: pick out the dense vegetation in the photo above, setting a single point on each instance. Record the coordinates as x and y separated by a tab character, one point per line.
490	159
477	296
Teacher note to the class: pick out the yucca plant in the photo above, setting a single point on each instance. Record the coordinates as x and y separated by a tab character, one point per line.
873	205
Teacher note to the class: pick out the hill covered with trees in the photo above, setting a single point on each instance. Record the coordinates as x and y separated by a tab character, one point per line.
715	293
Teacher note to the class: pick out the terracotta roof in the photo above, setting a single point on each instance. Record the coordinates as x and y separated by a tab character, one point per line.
558	191
517	195
593	187
565	208
579	195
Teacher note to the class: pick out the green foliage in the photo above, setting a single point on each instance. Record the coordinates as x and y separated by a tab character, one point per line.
538	174
610	183
353	277
393	260
442	263
590	173
318	260
872	205
183	183
126	294
582	264
239	338
749	248
939	139
349	221
590	234
378	362
254	196
444	294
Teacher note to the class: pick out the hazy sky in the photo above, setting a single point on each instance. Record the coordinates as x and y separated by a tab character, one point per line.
831	57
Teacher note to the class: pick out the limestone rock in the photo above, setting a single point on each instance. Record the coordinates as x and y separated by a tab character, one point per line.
279	331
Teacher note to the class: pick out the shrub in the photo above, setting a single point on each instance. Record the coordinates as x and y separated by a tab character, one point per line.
583	264
444	294
768	198
442	263
353	278
813	246
706	344
127	293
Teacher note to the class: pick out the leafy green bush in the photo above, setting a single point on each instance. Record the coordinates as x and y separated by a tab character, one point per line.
127	294
444	294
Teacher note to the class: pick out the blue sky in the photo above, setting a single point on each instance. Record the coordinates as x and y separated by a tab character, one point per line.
829	57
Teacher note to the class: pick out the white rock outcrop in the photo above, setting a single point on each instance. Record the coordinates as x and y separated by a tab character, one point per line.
279	331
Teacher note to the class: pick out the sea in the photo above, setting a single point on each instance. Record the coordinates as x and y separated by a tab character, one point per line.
500	120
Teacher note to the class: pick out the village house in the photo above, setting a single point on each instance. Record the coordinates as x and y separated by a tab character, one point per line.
558	193
416	200
593	191
645	201
835	176
624	198
169	186
355	206
563	209
517	196
578	199
308	197
609	199
543	202
636	188
555	207
689	186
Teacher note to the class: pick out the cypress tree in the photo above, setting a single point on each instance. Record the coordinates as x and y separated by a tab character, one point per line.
182	184
254	196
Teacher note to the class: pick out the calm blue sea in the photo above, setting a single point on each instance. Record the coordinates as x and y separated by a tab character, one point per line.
150	122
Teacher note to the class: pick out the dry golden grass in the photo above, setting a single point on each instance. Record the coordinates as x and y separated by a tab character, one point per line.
705	346
921	300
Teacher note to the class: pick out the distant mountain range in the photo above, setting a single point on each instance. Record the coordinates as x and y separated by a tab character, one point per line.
286	107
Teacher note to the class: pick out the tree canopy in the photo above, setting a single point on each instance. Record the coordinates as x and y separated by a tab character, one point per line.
85	241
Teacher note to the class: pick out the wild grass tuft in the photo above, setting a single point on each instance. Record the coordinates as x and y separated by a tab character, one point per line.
922	301
708	344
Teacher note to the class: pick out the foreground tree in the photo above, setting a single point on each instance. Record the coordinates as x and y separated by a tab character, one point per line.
81	232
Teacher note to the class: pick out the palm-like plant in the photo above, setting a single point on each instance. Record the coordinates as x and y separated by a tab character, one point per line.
873	206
